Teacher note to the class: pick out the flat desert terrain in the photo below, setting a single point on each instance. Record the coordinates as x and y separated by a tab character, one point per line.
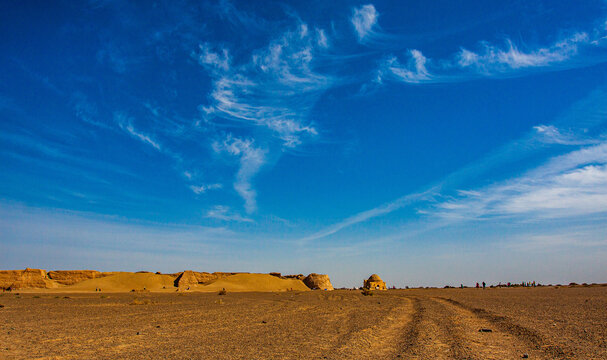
501	323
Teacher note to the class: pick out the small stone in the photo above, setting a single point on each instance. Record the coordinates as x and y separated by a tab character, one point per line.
485	330
525	356
138	333
264	322
157	326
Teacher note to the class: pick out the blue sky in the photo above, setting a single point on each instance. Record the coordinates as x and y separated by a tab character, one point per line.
433	143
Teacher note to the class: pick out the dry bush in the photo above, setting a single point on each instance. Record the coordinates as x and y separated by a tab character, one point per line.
367	292
222	292
139	302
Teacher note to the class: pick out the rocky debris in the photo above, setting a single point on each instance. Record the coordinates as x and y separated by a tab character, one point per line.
189	277
318	282
28	278
298	277
485	330
70	277
279	275
525	356
205	277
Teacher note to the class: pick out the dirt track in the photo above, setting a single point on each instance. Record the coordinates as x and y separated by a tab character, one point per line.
547	323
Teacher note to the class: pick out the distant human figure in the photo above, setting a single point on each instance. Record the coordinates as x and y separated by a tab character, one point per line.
461	286
477	286
483	284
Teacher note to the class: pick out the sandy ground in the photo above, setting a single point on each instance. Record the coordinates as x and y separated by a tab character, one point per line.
543	323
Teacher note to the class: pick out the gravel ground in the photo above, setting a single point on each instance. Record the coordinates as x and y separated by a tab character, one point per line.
541	323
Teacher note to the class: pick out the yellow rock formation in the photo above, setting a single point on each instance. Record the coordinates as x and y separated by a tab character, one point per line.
318	282
374	283
71	277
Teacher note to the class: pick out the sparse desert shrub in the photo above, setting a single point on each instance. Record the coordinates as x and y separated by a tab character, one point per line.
572	284
36	297
222	292
367	292
67	297
104	296
139	302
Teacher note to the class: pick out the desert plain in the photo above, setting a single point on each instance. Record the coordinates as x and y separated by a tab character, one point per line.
549	322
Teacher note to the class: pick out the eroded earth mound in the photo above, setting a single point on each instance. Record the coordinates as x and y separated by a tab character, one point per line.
318	282
71	277
92	280
28	278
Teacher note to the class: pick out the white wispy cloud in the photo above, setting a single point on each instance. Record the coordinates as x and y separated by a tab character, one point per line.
201	189
552	135
372	213
219	60
364	18
573	184
126	124
414	72
547	185
275	89
224	213
321	38
490	61
86	111
493	59
251	159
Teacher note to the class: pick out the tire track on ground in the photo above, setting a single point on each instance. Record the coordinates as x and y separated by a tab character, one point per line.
381	341
433	333
530	338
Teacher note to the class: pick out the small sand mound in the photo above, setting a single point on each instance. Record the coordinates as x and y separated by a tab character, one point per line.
318	282
254	282
119	282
